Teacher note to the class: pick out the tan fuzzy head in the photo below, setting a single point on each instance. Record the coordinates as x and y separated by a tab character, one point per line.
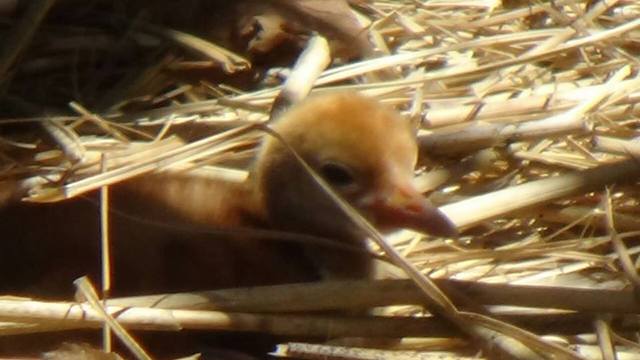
364	150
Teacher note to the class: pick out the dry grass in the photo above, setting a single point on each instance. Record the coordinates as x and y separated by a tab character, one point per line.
527	114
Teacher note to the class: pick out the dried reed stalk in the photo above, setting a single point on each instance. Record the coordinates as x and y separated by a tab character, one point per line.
552	87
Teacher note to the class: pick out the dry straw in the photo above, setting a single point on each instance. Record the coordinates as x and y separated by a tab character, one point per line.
527	116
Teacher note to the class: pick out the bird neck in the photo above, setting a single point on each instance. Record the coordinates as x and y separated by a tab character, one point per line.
197	200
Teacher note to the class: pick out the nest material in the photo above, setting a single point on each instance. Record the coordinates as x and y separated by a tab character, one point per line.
527	116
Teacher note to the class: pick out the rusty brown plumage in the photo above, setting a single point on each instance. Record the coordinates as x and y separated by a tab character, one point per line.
176	232
180	233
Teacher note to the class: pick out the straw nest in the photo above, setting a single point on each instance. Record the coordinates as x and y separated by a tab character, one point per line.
526	113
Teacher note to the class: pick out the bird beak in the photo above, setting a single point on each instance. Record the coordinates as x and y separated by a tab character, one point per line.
405	207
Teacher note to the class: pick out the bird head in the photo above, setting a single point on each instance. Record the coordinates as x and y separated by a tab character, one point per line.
365	151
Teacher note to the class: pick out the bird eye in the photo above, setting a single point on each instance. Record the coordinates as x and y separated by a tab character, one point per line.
337	174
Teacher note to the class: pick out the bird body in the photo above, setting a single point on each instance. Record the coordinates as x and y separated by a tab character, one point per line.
180	233
365	151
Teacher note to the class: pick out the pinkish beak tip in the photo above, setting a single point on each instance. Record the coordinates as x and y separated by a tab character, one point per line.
439	224
415	213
